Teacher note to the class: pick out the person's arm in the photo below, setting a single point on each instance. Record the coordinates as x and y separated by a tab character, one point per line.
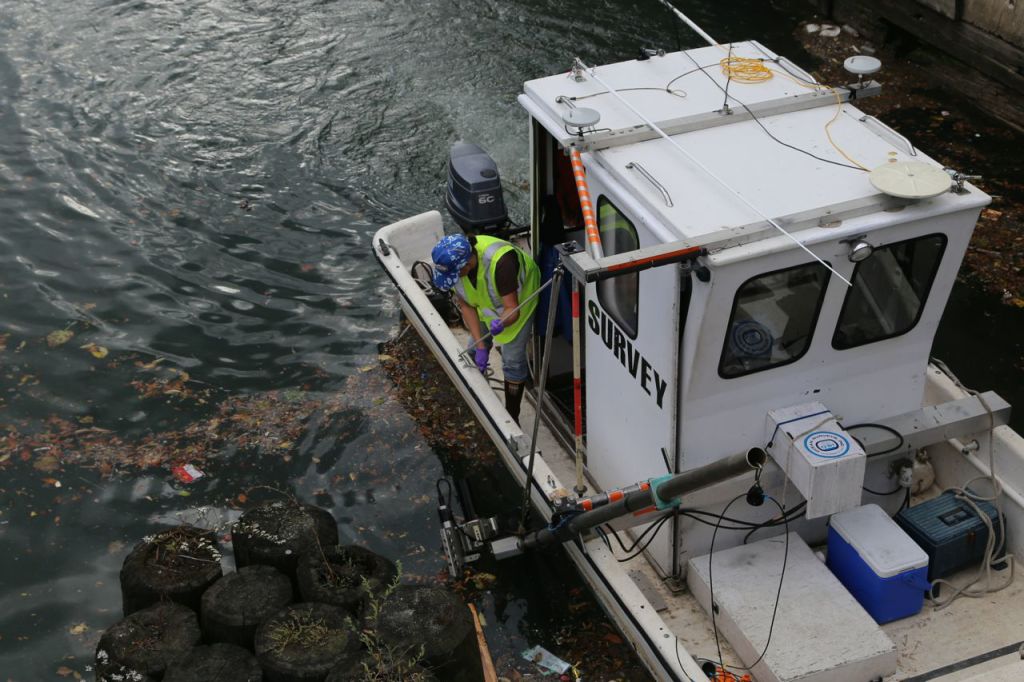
472	322
507	284
511	303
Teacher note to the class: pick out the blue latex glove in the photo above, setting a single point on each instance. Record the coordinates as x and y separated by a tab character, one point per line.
481	357
497	327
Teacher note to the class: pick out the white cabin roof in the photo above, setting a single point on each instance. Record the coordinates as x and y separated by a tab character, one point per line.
787	185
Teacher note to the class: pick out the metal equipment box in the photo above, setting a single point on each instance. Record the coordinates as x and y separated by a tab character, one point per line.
824	463
950	532
881	566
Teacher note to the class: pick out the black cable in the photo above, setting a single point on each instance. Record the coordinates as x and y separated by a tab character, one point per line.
711	584
684	75
646	544
778	61
711	579
906	501
778	592
638	540
875	492
762	126
440	496
655	527
778	522
793	513
883	427
680	662
728	81
605	92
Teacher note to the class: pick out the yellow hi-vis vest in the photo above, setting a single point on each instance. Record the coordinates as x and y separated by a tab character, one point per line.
483	295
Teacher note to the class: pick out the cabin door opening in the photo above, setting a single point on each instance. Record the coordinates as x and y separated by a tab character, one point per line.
557	218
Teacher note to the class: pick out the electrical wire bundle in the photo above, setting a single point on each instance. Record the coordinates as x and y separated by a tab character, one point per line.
705	517
745	69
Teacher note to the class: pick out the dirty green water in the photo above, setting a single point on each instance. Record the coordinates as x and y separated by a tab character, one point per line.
187	196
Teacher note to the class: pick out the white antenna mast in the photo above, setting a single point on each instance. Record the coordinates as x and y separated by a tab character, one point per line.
653	126
689	22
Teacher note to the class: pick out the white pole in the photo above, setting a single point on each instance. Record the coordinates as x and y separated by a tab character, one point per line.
689	22
708	172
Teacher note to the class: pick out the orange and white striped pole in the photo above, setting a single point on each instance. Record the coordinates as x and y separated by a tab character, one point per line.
593	238
589	217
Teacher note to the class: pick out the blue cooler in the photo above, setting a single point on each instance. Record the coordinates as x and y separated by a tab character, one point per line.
878	563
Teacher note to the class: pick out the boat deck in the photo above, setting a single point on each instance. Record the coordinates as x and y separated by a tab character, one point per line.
968	638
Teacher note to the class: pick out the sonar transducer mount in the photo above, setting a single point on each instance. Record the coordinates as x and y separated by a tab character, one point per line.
910	180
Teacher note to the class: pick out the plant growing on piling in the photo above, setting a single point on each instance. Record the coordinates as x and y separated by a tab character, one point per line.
386	663
302	630
174	548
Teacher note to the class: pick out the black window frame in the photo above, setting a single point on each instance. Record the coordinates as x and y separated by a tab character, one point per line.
814	319
926	292
632	331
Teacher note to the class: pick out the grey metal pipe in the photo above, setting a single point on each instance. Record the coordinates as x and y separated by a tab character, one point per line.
681	484
712	473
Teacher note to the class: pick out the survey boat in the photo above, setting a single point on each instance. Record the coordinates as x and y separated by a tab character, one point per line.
735	429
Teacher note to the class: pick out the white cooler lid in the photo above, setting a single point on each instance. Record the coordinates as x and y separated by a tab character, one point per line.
883	545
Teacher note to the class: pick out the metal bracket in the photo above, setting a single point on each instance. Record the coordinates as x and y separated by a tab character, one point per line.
584	268
959	179
710	119
935	424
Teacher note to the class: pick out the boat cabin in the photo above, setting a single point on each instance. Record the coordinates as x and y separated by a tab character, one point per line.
684	364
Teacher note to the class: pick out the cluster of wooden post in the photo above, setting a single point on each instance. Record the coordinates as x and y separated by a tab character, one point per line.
299	608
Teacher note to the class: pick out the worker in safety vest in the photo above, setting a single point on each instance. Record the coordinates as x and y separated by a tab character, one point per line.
491	277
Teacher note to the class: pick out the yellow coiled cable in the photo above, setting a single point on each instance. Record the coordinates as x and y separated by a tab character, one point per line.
745	69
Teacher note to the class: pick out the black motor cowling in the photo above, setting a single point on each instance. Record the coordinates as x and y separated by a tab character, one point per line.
474	197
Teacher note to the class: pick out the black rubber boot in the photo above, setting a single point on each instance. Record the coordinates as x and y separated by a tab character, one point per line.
514	398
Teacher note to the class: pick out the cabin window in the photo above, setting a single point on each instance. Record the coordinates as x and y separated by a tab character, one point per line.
889	291
619	296
773	318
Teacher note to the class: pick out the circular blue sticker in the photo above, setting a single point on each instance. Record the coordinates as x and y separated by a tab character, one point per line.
826	445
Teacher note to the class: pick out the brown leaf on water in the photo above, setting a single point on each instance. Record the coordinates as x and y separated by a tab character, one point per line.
47	463
65	671
149	365
98	352
79	629
59	337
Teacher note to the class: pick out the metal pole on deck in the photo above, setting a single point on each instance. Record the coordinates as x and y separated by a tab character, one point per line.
577	387
556	283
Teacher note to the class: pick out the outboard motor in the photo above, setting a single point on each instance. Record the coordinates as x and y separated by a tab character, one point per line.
474	197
